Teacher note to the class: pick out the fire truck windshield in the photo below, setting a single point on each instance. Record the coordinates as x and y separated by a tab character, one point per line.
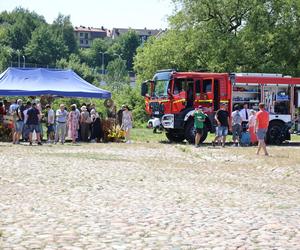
160	88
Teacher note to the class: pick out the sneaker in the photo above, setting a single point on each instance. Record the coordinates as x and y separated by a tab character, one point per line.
39	143
30	143
236	144
197	146
223	145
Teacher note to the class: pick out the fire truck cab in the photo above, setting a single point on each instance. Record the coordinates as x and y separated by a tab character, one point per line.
172	96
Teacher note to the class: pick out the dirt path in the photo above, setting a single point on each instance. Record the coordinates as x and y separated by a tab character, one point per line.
148	196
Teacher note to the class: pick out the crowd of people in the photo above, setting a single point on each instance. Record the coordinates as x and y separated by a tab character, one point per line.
247	126
84	124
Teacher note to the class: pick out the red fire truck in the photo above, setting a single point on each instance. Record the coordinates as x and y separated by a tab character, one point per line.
172	96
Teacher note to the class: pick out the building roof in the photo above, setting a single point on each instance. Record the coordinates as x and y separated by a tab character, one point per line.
141	32
89	29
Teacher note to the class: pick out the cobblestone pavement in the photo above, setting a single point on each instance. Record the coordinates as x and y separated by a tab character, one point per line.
148	196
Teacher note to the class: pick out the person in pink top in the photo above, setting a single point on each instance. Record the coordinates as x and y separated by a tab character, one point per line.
73	123
261	127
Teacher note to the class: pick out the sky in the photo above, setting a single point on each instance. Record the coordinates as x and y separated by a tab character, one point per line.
150	14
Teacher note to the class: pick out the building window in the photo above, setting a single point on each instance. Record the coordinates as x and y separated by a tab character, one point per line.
86	41
81	41
81	34
86	36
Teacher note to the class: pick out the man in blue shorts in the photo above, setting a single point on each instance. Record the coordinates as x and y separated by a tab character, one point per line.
222	119
33	120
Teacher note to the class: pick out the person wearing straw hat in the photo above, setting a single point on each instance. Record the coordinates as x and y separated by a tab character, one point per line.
85	121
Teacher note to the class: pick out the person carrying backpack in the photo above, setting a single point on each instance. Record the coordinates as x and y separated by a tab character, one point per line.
236	125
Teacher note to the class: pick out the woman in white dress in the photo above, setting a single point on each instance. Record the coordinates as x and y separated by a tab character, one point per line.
127	120
251	126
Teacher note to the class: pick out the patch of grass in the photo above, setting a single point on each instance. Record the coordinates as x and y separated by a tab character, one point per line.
184	149
147	135
295	138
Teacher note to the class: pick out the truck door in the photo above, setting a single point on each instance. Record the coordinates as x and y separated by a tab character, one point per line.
179	95
208	94
198	92
190	95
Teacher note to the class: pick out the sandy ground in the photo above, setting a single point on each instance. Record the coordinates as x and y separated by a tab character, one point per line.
148	196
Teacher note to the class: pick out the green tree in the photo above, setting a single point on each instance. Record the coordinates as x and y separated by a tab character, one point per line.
19	25
126	46
93	55
226	36
5	57
45	47
173	50
117	75
81	69
62	26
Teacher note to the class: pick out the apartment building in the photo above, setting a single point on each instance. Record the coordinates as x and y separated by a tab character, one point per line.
86	35
144	34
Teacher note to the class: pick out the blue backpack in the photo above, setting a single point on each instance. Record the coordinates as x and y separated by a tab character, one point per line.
245	139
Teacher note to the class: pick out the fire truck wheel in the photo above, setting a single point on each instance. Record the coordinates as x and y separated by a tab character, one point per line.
174	137
190	132
275	133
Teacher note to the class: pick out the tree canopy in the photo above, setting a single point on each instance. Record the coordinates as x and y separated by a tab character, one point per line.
212	35
227	36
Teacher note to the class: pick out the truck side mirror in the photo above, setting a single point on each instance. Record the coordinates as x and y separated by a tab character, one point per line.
144	89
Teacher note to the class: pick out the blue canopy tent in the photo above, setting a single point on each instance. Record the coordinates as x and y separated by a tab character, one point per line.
40	81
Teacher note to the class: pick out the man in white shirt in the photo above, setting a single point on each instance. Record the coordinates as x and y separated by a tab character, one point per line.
61	124
13	107
245	114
